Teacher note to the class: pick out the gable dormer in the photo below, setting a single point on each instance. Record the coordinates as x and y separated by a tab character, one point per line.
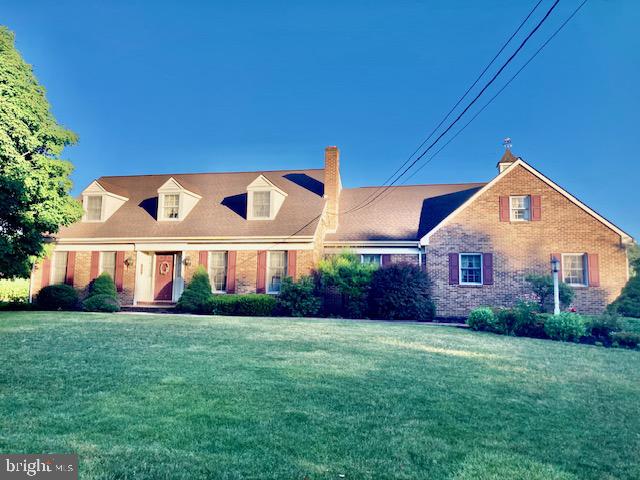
175	201
100	201
264	199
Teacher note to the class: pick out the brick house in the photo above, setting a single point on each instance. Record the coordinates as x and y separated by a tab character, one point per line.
250	229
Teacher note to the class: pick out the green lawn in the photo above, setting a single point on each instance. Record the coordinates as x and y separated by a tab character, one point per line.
155	397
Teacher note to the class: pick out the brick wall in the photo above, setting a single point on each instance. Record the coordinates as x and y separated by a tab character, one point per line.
520	248
246	271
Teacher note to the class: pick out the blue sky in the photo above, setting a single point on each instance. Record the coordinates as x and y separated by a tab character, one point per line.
160	87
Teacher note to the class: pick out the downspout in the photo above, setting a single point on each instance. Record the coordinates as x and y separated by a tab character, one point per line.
33	267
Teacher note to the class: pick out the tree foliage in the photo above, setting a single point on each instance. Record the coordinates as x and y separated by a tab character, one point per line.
196	297
542	288
34	181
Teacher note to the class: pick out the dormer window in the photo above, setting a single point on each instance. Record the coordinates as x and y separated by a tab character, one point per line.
94	208
264	199
175	200
171	206
262	204
102	199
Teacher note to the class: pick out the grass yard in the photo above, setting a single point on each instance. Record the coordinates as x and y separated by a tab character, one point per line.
168	397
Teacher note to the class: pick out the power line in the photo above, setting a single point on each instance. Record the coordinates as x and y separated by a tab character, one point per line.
451	125
551	37
475	82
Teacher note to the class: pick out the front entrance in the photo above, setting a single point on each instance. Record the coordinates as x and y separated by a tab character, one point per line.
163	290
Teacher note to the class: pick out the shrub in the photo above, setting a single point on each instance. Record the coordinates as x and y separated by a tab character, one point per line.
103	285
196	297
400	292
481	318
14	290
542	288
101	302
57	297
251	304
529	322
602	326
504	321
297	299
626	339
351	279
628	303
565	327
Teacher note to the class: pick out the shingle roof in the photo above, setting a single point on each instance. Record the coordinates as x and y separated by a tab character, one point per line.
221	212
403	213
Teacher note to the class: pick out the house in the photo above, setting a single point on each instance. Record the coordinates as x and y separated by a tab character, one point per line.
477	241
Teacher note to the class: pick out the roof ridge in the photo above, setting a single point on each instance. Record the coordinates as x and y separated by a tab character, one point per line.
419	185
291	170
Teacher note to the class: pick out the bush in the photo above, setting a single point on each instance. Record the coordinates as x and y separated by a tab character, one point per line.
529	322
251	304
57	297
602	326
196	297
542	288
565	327
15	290
400	292
101	302
626	339
628	303
481	318
297	299
504	321
103	285
351	279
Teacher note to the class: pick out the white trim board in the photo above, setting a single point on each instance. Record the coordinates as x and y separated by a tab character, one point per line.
624	237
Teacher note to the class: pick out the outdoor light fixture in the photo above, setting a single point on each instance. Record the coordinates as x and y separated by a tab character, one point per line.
555	269
128	261
187	261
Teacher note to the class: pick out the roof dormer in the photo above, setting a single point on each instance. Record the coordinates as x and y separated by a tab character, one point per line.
100	201
264	199
175	201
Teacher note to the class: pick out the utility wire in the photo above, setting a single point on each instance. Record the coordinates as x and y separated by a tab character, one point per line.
452	124
475	82
499	91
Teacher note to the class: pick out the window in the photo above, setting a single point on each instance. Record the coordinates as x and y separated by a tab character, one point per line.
470	269
520	208
262	204
371	258
218	271
59	270
171	206
108	263
94	208
574	269
276	270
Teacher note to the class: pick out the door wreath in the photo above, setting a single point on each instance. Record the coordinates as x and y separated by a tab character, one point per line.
164	268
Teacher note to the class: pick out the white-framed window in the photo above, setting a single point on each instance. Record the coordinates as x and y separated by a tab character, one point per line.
108	263
218	271
170	206
59	268
94	208
574	269
261	204
520	208
470	269
276	270
374	258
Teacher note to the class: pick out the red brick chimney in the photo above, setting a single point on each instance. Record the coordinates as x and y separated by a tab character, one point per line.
332	186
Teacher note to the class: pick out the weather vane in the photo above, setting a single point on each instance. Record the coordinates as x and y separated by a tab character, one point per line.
506	143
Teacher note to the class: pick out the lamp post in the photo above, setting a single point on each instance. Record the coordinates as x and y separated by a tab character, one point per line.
555	267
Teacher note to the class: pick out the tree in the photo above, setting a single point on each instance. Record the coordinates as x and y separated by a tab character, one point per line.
34	181
633	254
542	287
